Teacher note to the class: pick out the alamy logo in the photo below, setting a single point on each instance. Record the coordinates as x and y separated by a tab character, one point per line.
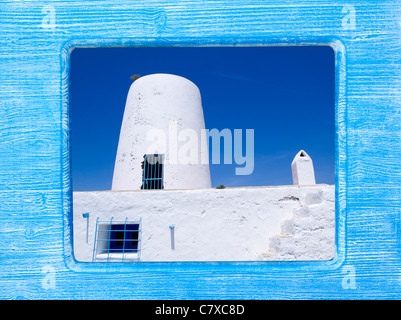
49	277
348	22
49	19
348	281
189	146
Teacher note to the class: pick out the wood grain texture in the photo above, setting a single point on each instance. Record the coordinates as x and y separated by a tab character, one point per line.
35	186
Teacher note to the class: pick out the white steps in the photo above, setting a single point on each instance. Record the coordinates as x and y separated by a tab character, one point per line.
309	234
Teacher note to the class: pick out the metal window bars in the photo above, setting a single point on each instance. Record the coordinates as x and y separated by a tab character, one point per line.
152	174
117	241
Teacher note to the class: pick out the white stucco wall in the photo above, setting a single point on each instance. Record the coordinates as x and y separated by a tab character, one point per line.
232	224
171	105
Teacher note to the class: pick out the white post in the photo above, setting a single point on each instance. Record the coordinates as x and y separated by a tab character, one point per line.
86	215
302	169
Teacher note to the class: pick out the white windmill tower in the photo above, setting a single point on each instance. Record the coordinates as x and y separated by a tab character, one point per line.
162	111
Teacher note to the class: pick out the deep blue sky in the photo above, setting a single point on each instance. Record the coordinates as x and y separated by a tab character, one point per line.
286	94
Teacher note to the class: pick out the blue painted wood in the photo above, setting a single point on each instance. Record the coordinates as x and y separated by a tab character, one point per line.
36	38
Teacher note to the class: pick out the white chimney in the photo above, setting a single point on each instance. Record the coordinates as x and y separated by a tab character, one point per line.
302	169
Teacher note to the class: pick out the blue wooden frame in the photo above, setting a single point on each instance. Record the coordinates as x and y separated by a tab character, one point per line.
36	230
